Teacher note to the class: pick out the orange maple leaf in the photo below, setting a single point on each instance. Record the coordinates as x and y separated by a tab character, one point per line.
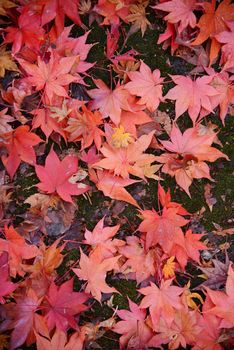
52	77
83	126
59	341
127	160
147	85
212	23
113	186
17	249
93	269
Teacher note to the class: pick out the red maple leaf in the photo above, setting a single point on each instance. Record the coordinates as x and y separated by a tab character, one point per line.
192	95
110	102
19	145
29	32
180	11
52	77
162	302
56	176
6	286
22	316
161	229
62	304
133	327
58	9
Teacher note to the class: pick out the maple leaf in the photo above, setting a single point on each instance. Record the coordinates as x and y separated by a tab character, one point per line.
212	23
101	238
224	86
227	39
138	17
191	150
4	120
216	275
162	302
52	77
183	331
6	62
4	6
127	160
59	341
112	11
6	286
93	269
47	259
192	95
161	229
43	118
139	262
109	102
113	186
188	246
147	85
84	127
29	32
165	200
19	144
180	11
57	9
23	318
68	46
169	38
224	302
56	176
169	268
90	157
62	304
133	327
210	331
130	120
17	249
120	138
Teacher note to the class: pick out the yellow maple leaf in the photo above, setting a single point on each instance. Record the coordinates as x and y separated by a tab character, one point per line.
169	268
6	61
190	296
120	138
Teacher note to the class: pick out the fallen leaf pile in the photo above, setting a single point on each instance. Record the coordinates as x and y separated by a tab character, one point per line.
78	128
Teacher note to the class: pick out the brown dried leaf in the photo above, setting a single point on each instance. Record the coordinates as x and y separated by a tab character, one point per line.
210	201
6	61
222	232
138	18
216	275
